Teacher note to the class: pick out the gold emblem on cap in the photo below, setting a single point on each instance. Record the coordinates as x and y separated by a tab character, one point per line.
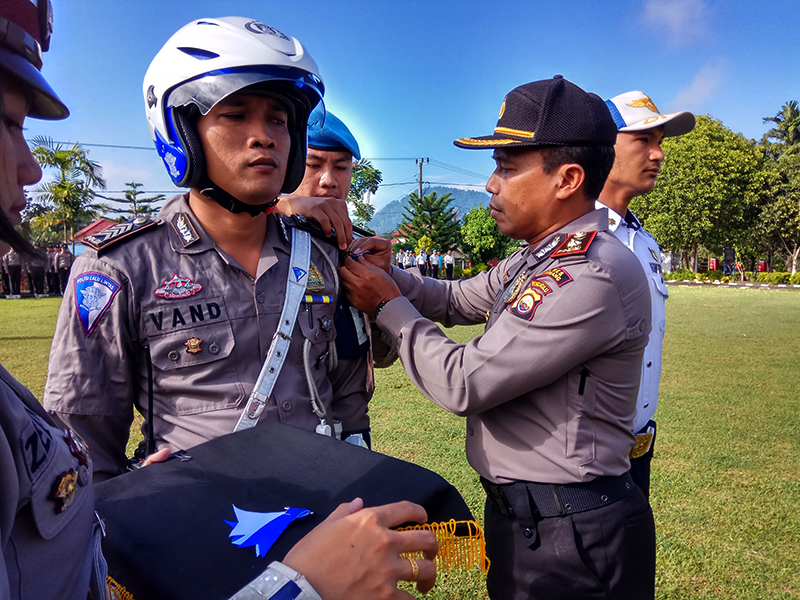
502	109
645	102
193	345
517	132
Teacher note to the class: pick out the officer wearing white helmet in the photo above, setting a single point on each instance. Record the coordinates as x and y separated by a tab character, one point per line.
176	315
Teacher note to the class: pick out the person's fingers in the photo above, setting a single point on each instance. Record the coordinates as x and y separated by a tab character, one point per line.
156	457
325	222
426	578
345	510
419	540
397	513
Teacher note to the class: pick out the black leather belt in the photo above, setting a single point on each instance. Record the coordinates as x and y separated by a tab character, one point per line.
530	502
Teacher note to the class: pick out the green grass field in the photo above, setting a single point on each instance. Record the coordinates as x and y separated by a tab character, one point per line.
726	474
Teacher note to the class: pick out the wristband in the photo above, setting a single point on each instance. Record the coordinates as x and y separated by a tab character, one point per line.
278	582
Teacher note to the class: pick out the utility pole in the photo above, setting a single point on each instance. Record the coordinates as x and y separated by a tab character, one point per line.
420	162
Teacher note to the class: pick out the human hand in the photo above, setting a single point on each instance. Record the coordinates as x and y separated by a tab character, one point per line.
380	251
355	555
366	284
330	212
157	457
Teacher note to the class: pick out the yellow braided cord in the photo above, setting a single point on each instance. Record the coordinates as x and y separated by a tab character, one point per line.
117	591
465	551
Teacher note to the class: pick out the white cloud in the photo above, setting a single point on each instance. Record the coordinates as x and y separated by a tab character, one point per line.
680	23
703	86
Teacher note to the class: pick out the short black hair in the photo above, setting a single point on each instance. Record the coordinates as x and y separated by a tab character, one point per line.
596	162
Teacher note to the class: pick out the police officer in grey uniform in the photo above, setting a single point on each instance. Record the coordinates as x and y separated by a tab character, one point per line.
642	128
49	536
549	390
195	297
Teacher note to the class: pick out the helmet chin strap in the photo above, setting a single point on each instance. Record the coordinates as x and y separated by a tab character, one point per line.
212	191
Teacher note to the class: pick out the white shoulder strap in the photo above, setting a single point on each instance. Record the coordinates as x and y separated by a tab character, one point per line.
295	290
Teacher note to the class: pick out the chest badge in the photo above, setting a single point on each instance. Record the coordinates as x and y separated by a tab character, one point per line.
325	323
178	287
193	345
64	490
315	283
512	292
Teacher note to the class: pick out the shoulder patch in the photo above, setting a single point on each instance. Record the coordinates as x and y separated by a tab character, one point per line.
526	305
185	230
557	274
94	293
577	243
548	246
105	239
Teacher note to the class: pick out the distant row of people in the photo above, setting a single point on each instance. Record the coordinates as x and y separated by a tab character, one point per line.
47	273
433	263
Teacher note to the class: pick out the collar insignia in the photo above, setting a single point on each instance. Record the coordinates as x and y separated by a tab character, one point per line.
178	287
185	230
315	282
548	246
655	255
77	447
193	345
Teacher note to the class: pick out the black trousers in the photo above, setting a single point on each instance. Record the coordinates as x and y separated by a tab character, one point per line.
449	271
15	278
37	280
607	553
63	276
435	272
422	269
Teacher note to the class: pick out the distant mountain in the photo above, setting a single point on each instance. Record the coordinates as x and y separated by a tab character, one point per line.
387	219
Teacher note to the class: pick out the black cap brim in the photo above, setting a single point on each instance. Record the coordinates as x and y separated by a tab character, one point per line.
45	103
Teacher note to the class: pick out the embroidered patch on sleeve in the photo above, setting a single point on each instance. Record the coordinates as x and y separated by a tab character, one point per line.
94	293
526	305
577	243
557	274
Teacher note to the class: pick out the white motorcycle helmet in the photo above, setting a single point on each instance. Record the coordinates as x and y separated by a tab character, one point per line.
210	59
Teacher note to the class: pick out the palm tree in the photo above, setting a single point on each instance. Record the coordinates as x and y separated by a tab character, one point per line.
787	126
71	193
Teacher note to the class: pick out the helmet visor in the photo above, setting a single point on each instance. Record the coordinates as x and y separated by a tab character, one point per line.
208	89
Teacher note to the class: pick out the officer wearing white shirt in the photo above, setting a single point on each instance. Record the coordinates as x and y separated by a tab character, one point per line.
641	130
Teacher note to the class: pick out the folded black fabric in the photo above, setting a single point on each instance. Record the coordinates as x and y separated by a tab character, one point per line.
165	524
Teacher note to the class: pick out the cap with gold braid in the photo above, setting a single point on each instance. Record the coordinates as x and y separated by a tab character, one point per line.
551	112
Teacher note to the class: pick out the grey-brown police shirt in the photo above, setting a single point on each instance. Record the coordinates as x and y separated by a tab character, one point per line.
46	503
208	325
549	389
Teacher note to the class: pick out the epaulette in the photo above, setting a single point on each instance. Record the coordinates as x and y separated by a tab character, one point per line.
103	240
576	243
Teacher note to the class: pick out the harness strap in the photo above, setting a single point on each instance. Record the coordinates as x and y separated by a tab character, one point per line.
295	290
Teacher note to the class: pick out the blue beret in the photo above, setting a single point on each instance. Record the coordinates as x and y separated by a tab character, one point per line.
327	132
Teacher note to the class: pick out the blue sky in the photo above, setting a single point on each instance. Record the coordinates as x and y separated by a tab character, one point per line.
409	77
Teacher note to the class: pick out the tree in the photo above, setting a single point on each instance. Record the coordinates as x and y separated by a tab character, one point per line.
70	195
787	127
481	237
706	193
365	181
430	215
136	205
780	213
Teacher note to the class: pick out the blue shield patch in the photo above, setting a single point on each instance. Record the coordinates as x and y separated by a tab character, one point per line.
93	295
298	273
